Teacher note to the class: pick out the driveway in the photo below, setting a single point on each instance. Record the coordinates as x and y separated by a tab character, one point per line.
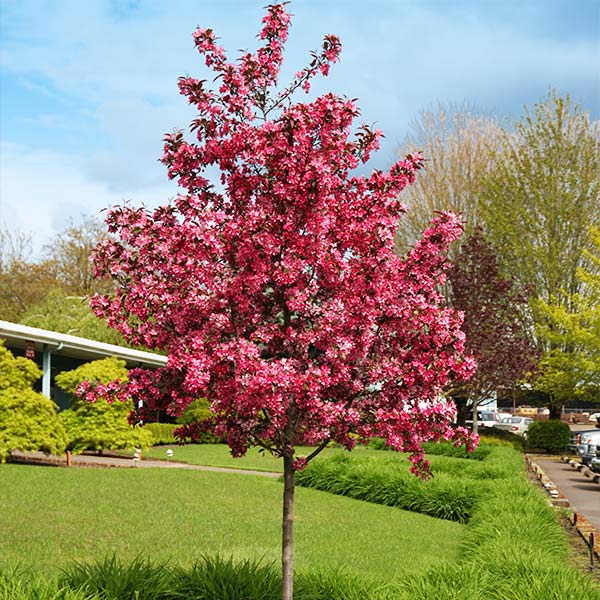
583	494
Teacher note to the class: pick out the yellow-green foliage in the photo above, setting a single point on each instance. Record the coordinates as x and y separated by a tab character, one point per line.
99	425
28	420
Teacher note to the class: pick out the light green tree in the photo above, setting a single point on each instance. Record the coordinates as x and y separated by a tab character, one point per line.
538	203
28	420
542	195
570	327
99	425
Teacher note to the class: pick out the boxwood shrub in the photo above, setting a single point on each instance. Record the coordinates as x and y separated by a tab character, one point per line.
551	436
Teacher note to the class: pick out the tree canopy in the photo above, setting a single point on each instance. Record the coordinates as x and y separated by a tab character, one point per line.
277	294
496	336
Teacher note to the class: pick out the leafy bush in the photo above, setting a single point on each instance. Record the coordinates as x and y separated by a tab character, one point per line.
99	425
162	433
199	412
28	420
551	436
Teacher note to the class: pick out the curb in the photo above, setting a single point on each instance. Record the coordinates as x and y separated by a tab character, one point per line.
558	499
595	477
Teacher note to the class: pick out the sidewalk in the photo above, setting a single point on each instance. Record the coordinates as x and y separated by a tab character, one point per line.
99	461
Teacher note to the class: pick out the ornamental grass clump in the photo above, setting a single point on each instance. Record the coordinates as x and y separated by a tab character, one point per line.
112	579
515	549
387	482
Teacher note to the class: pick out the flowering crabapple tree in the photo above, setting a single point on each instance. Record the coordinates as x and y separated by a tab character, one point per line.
276	292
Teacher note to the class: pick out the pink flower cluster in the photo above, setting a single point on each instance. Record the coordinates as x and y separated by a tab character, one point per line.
278	294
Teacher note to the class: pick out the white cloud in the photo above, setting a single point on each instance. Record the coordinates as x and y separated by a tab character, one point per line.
41	191
101	77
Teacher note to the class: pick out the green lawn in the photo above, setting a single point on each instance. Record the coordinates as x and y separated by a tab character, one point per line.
218	455
52	516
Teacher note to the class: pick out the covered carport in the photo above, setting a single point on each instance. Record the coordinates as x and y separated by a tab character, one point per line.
56	352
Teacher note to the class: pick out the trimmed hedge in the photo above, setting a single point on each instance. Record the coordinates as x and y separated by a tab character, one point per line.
551	436
162	433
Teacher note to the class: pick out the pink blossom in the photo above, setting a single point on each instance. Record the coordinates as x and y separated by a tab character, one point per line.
277	293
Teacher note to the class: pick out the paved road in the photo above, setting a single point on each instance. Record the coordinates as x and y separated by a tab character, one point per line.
582	492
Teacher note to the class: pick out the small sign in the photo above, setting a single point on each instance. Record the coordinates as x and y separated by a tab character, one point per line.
30	350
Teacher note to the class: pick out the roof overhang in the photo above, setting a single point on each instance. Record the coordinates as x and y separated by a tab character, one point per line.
17	336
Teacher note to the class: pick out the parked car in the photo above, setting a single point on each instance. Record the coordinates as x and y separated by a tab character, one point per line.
594	418
517	425
595	462
588	446
578	439
485	418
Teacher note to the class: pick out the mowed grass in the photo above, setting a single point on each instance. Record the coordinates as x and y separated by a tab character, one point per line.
50	517
218	455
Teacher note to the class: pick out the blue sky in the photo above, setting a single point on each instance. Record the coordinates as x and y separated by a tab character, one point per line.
87	89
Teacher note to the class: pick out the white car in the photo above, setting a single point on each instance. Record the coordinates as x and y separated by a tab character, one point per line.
594	418
485	418
516	425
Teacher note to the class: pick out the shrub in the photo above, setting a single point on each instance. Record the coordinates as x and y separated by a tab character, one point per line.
162	433
199	412
551	436
28	420
99	425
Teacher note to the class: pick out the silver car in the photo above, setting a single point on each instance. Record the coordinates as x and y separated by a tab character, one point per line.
516	425
587	447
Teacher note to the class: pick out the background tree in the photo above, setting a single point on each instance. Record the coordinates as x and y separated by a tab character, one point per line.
493	325
570	369
99	425
72	315
539	201
22	281
69	254
278	296
52	293
28	420
455	142
542	196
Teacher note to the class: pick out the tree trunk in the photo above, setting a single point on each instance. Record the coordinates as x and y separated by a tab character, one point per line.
555	410
475	419
287	538
461	410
